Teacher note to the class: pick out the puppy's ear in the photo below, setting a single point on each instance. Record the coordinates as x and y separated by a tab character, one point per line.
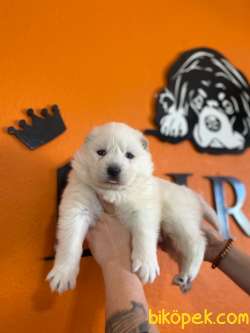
144	143
88	138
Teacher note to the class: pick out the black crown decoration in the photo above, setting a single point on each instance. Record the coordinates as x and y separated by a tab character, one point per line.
42	130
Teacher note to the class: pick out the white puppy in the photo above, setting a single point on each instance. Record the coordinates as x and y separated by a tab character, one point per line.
114	167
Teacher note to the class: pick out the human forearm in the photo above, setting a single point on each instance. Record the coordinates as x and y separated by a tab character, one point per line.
126	305
236	265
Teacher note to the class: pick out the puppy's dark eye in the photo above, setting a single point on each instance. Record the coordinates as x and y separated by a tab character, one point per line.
130	155
101	152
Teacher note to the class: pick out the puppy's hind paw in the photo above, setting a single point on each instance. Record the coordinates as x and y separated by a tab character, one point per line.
184	282
62	278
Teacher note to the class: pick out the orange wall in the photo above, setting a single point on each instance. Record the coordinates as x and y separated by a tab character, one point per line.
100	61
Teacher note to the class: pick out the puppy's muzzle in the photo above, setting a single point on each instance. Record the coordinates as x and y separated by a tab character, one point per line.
113	171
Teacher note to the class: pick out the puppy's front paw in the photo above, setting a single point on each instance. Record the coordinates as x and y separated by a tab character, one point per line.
147	268
62	278
174	125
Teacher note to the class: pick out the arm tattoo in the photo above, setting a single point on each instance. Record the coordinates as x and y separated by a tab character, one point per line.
129	321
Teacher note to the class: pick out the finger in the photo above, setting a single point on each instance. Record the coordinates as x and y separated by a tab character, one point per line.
104	217
90	236
163	246
110	220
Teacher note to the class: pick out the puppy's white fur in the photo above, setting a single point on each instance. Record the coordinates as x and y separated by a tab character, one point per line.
143	202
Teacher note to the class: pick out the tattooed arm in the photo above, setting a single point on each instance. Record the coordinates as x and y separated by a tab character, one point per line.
126	305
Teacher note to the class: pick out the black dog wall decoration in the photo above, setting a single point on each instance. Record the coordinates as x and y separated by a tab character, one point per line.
206	100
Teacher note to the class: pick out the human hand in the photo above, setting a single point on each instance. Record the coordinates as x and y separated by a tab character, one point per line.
215	243
109	242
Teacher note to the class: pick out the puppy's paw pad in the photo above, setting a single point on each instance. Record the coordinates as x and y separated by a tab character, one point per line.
62	278
186	287
184	282
178	280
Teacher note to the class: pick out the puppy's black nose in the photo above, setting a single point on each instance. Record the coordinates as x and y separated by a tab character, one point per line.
113	170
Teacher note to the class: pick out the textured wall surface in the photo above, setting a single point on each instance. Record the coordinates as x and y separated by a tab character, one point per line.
101	61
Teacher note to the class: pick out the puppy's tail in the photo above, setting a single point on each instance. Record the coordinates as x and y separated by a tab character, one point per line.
209	214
